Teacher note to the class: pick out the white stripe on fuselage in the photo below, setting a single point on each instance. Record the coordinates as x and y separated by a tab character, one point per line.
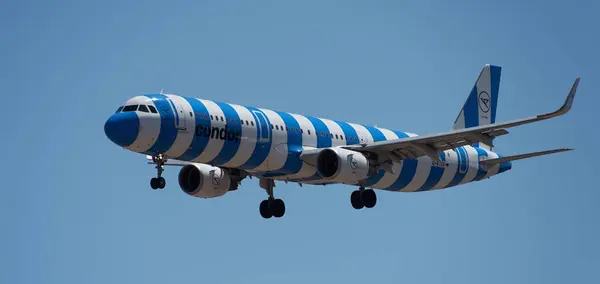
334	129
421	174
184	137
494	169
473	164
450	171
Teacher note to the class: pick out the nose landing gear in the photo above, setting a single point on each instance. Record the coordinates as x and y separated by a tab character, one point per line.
158	182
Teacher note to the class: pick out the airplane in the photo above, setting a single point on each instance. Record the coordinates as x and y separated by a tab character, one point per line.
217	145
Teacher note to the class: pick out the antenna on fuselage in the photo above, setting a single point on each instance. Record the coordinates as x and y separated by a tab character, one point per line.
161	91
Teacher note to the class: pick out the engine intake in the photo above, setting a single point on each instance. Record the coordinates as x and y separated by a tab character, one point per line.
205	181
342	165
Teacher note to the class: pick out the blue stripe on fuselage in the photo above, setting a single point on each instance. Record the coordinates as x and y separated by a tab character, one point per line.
349	132
168	132
323	141
435	174
293	164
407	173
233	132
261	150
377	136
200	140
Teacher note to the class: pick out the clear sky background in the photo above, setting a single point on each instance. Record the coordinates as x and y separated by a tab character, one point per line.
76	208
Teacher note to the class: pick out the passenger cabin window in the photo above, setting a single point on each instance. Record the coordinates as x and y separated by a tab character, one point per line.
119	109
152	109
143	108
130	108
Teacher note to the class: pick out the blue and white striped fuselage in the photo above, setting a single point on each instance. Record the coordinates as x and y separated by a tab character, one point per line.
268	143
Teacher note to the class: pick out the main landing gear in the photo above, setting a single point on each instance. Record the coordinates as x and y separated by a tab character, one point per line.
363	198
158	181
271	207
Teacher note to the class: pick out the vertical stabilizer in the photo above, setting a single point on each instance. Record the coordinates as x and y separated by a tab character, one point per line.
480	106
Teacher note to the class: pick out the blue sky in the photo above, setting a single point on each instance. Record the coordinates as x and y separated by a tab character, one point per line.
77	209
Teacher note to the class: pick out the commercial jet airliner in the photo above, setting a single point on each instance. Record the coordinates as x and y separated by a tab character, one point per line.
217	145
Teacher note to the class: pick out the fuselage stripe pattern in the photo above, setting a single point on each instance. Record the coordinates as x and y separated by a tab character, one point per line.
268	143
294	144
201	131
168	132
230	134
435	174
262	148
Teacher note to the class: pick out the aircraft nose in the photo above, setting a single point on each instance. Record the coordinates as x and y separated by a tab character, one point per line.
122	128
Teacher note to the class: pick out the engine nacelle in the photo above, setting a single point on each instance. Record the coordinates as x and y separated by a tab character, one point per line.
205	181
342	165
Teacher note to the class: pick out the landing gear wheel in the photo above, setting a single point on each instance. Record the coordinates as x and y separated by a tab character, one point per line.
277	207
154	184
355	200
368	198
271	207
161	182
264	209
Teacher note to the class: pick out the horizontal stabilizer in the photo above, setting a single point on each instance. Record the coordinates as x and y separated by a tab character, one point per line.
492	162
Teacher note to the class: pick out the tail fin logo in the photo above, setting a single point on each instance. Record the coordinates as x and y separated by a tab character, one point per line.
484	101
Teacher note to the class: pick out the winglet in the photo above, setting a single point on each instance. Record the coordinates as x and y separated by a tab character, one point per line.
566	107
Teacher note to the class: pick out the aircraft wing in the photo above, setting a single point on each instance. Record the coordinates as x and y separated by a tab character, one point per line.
431	145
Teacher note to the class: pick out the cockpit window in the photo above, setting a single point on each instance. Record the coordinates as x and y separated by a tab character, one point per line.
130	108
143	108
152	109
119	109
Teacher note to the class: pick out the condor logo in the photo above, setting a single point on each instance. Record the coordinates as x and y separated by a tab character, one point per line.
218	133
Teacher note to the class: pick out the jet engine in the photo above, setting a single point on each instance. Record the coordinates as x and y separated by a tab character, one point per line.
342	165
205	181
